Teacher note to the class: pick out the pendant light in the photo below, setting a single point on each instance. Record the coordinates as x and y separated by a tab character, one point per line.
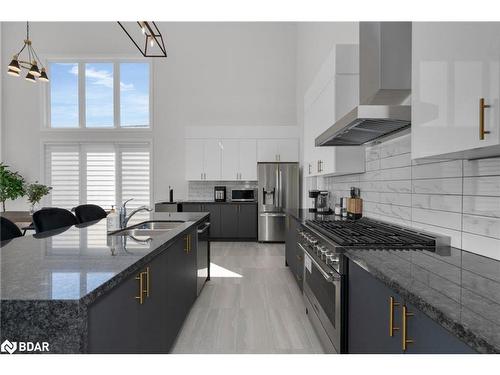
147	38
31	64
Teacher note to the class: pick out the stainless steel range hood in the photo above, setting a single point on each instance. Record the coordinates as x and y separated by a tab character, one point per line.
384	86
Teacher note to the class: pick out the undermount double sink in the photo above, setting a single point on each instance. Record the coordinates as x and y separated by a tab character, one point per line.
148	229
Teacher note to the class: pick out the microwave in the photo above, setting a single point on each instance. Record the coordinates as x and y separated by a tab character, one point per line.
243	195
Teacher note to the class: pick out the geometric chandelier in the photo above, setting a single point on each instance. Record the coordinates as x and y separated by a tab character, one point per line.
146	36
32	63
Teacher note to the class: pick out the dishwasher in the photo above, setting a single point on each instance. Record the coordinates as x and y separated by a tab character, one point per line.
203	256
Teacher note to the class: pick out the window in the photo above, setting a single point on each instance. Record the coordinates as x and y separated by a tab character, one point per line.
97	95
102	174
64	95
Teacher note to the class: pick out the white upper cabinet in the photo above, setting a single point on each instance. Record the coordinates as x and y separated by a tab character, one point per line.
230	159
239	159
454	66
194	159
203	159
283	150
248	160
333	92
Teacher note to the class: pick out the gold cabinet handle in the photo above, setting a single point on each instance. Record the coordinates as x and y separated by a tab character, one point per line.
298	257
141	288
187	248
392	304
482	106
146	273
404	324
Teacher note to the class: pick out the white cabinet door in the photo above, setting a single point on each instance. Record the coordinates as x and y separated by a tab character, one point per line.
248	160
212	159
454	65
230	159
267	150
194	159
288	150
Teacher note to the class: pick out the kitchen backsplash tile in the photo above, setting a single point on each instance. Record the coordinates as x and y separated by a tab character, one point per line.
456	198
204	190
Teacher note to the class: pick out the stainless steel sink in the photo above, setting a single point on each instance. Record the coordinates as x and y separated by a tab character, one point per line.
148	229
158	225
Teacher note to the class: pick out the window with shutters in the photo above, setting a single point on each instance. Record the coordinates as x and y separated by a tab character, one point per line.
102	174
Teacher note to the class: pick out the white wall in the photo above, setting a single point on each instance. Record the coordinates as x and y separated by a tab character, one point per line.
229	74
315	40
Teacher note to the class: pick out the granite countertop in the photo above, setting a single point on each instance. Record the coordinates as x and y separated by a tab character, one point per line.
79	263
457	289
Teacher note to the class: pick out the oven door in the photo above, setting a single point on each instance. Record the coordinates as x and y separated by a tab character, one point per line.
322	288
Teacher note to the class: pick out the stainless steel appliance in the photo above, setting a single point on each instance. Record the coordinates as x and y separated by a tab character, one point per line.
203	256
278	190
322	202
243	195
313	194
384	87
220	193
325	266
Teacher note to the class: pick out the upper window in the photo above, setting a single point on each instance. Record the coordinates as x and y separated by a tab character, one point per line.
99	95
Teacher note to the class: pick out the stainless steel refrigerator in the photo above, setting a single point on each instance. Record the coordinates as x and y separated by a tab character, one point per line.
278	190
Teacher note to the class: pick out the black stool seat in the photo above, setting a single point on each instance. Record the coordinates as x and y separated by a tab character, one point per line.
8	229
53	218
89	212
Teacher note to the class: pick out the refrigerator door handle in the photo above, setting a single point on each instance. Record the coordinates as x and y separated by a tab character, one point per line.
278	192
280	186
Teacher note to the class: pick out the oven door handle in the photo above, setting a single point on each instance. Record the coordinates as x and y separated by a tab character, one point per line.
331	277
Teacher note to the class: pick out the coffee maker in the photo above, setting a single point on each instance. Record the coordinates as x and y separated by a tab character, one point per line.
322	202
313	194
319	201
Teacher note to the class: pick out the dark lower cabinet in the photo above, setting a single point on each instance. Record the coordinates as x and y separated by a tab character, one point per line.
369	321
228	221
294	256
247	221
229	216
120	323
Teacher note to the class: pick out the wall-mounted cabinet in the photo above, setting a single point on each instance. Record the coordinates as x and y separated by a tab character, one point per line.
239	159
235	159
454	66
281	150
333	93
203	159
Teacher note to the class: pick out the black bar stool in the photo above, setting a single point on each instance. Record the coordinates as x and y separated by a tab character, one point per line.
53	218
8	230
89	212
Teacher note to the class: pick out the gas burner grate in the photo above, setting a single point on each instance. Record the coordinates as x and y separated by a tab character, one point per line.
366	232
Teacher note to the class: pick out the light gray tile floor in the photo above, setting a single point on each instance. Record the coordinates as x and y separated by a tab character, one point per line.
252	304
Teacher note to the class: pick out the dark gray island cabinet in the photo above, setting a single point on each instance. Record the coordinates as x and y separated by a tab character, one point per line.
382	322
144	313
84	291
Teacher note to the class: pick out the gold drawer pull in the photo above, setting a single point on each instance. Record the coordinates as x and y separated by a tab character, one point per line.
482	106
392	304
141	288
146	273
405	340
298	257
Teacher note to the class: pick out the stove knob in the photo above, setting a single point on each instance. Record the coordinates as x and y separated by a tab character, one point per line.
313	241
331	259
323	253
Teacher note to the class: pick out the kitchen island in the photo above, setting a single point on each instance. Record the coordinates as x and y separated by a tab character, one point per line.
83	291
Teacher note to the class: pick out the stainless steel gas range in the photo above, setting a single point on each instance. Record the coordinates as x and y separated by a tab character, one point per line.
325	268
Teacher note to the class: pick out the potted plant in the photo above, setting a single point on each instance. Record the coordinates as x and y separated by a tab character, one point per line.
35	192
11	185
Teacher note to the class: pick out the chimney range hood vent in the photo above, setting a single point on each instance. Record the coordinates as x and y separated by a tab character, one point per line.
385	87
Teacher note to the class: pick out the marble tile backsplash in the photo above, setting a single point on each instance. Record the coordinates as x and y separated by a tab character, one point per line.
458	198
204	190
